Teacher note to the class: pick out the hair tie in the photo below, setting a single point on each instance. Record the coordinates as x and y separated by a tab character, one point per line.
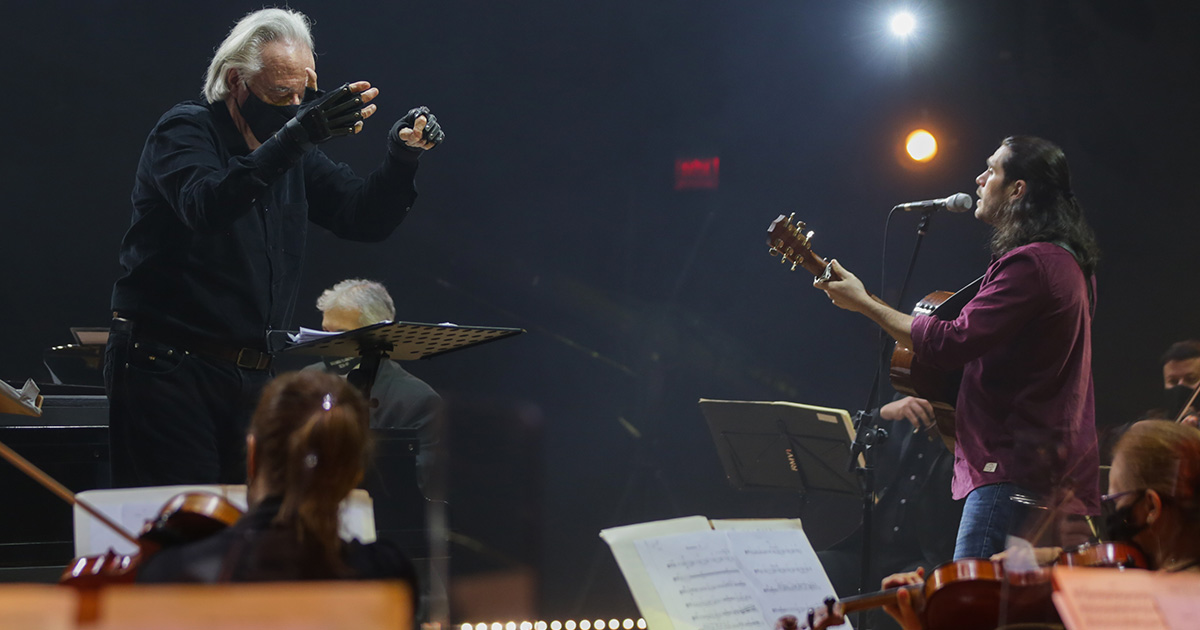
328	402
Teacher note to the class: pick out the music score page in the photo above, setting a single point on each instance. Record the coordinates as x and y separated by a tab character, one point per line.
742	576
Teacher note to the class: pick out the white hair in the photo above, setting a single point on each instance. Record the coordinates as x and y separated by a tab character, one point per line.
369	298
242	48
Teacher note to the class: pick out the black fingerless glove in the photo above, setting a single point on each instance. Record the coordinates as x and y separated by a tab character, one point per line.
432	132
329	116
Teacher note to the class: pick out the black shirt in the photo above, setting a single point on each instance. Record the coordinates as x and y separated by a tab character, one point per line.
253	550
216	242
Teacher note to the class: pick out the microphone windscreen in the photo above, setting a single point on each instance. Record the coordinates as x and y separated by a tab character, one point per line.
959	202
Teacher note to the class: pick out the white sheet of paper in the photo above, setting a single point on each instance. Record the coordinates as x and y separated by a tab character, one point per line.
132	507
732	579
700	582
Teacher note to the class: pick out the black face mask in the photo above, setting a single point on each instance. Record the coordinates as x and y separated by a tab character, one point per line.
1174	398
265	119
1118	522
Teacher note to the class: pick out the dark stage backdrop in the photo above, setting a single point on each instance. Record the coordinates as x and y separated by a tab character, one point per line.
551	207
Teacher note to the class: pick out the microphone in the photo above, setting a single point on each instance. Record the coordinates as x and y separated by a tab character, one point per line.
958	202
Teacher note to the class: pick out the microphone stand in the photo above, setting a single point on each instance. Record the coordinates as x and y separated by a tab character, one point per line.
868	434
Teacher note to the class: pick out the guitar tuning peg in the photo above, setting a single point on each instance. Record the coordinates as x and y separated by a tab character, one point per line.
794	266
808	237
773	252
800	225
790	217
783	261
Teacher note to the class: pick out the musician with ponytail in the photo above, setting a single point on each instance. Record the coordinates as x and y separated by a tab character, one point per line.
305	452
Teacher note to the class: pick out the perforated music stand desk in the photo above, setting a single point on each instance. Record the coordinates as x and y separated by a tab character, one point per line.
401	341
782	445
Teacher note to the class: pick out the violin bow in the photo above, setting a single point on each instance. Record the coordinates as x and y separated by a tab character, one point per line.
1188	405
52	484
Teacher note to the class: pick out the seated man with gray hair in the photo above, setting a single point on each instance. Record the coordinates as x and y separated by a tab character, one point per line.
399	400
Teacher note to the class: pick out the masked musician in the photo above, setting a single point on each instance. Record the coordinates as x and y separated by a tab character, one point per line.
308	443
224	192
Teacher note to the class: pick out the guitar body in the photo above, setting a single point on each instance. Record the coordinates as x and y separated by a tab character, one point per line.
912	376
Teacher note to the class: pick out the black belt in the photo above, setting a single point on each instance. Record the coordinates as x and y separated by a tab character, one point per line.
247	358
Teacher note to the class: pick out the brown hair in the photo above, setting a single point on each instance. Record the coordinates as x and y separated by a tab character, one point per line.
311	440
1165	457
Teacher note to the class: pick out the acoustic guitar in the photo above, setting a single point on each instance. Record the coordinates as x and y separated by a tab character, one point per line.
909	375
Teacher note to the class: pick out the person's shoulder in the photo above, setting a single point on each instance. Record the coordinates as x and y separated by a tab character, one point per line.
187	114
397	374
191	562
379	560
1035	258
187	109
1037	250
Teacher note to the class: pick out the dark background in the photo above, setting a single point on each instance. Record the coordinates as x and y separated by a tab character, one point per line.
551	207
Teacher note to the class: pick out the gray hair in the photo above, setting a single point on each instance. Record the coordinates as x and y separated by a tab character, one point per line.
242	48
369	298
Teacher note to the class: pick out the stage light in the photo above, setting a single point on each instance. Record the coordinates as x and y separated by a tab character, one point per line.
903	24
627	624
921	145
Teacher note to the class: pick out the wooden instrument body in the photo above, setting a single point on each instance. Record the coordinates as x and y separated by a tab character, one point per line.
970	594
187	517
913	377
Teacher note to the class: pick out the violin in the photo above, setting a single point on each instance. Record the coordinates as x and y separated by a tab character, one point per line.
976	593
187	517
1109	555
967	594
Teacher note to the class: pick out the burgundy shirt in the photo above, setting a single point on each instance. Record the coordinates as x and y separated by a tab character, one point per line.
1025	411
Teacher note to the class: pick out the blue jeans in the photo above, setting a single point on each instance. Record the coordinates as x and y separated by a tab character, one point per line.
988	517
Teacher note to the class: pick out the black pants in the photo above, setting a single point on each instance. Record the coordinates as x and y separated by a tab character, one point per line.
175	417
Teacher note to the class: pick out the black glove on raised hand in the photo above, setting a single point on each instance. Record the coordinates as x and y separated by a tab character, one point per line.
329	116
424	137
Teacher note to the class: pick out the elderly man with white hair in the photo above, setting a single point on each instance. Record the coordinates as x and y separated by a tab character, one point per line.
224	192
399	400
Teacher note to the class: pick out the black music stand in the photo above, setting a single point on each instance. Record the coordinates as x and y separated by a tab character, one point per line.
782	445
401	341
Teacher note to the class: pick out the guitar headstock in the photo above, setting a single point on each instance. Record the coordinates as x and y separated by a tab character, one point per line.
791	243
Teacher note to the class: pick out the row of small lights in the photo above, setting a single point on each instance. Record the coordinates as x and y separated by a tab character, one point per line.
570	624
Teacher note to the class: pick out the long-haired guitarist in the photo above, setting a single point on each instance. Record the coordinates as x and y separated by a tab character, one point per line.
1025	412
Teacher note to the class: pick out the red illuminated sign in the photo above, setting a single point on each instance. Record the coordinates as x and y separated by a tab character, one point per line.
697	173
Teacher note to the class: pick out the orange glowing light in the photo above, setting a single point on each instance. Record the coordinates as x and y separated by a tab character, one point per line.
921	145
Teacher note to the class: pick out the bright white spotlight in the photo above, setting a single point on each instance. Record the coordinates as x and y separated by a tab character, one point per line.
903	24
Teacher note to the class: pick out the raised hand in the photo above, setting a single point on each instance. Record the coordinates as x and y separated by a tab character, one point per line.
337	113
420	129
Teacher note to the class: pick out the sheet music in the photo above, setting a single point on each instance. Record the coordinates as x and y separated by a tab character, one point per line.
784	571
734	579
310	334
